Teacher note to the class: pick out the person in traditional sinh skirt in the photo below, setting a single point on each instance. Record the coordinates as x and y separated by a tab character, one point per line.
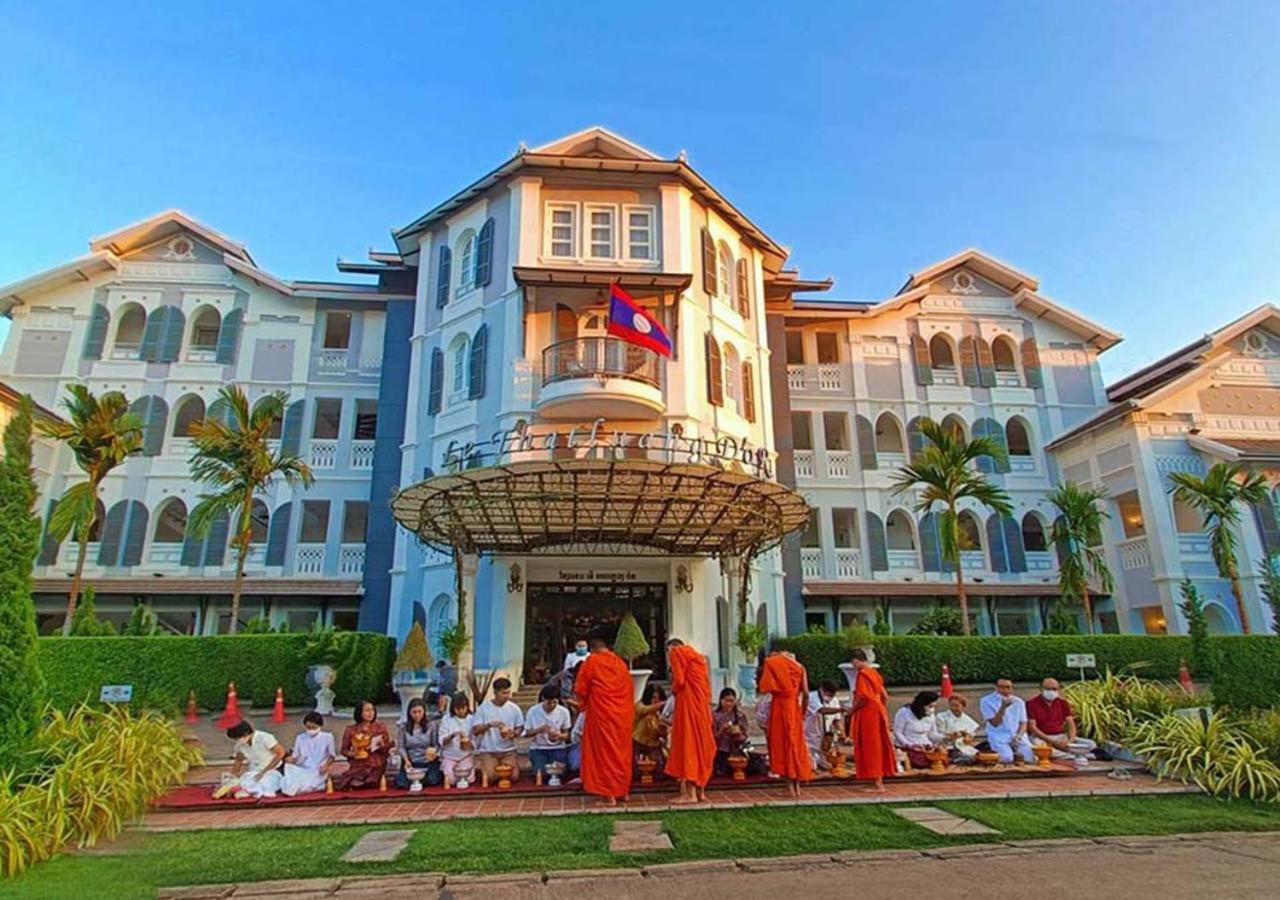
366	745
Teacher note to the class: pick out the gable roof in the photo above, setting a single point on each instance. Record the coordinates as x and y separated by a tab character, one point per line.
595	140
990	268
154	228
81	269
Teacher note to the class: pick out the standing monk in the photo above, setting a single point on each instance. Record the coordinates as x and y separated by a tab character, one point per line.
787	684
693	745
873	755
603	687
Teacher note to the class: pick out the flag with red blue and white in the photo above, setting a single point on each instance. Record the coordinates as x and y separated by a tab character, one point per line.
627	320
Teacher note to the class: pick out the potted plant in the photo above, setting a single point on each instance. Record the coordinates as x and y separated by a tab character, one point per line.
411	672
751	639
453	640
856	637
631	644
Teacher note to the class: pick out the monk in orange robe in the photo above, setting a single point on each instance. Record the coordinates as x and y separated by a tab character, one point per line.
603	688
787	684
693	743
873	754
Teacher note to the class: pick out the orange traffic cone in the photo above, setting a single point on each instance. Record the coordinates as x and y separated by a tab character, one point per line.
947	690
1184	677
192	716
277	713
231	713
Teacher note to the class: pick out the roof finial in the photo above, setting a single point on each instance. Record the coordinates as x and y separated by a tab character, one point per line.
522	147
683	155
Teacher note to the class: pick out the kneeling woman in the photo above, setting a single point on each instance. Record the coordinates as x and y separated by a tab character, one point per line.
915	729
419	746
258	763
366	746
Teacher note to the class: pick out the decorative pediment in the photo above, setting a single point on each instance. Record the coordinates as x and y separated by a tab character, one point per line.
595	142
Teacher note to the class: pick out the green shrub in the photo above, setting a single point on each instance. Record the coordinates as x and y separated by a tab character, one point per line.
1264	727
1270	581
1248	675
163	669
630	642
1207	750
85	621
881	625
1061	620
941	620
1202	660
1107	708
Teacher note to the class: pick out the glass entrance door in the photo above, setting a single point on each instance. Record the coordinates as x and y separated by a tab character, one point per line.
558	615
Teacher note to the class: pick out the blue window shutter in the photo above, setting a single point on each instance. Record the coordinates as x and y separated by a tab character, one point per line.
443	273
484	254
930	545
171	339
152	334
48	546
1013	544
154	413
997	432
435	393
969	362
915	439
229	336
95	337
982	428
215	542
135	534
220	410
876	543
995	542
866	443
278	535
479	345
291	428
112	535
192	548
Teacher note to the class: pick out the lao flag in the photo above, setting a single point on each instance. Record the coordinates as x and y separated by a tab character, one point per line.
631	323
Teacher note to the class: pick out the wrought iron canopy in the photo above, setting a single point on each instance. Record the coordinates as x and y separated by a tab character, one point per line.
686	509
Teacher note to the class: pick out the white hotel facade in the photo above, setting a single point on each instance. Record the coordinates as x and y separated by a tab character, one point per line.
470	378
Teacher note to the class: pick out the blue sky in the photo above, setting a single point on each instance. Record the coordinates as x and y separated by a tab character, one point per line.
1127	154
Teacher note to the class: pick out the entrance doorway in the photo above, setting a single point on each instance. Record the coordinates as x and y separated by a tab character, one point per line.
559	615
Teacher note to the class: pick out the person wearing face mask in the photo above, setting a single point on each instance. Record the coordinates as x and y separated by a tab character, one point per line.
576	655
915	729
1051	721
256	771
1005	715
307	767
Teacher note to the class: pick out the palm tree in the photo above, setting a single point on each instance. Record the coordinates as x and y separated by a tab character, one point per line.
1216	496
102	434
236	460
945	472
1077	535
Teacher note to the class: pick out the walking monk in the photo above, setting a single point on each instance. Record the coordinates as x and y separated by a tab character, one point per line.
693	745
603	687
873	756
787	684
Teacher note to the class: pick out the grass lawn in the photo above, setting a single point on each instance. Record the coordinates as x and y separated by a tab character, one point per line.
563	842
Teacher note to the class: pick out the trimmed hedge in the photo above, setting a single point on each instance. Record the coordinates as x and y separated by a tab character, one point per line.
163	670
1248	675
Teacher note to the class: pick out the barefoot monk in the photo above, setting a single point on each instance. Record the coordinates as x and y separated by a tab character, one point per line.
785	681
693	745
603	688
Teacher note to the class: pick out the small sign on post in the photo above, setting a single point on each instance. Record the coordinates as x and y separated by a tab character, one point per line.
1081	661
116	693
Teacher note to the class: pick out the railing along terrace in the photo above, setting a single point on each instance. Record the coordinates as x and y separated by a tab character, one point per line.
599	357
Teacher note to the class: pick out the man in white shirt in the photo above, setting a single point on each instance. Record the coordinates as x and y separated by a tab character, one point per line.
259	757
579	652
822	705
959	730
1005	715
497	724
547	724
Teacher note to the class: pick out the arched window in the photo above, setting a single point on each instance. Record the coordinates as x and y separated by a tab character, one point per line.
259	522
899	535
466	262
130	323
205	325
1004	354
171	523
970	531
888	435
1018	436
190	411
956	428
725	273
732	371
941	353
1187	519
442	613
1034	538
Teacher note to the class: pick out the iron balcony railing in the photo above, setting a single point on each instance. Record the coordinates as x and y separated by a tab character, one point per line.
600	357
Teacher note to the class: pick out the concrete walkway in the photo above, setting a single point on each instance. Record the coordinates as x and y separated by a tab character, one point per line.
1177	867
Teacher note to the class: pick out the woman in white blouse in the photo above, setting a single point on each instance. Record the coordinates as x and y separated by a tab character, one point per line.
915	730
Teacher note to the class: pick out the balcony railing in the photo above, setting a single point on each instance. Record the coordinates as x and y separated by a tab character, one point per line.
351	559
202	354
309	559
903	559
823	377
1039	561
804	463
72	554
848	563
811	562
126	351
323	453
331	362
1135	553
167	554
362	454
599	357
1019	463
838	463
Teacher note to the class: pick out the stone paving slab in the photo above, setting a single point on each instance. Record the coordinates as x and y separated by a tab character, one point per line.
379	846
637	826
922	813
639	843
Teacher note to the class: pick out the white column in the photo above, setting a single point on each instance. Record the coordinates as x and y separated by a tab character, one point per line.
470	564
732	568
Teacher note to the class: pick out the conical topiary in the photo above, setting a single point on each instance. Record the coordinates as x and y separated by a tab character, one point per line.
414	655
630	642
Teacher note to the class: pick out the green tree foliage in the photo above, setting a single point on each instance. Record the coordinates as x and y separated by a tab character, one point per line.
881	624
1061	620
142	623
85	622
1270	581
630	643
22	687
1077	535
234	458
945	473
1202	660
1217	497
941	620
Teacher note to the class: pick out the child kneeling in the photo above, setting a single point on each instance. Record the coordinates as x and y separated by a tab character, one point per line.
457	757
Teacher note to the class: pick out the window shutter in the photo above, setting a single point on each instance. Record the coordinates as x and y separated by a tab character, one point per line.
112	535
915	439
744	289
220	411
278	535
95	338
135	534
876	543
923	362
154	413
1031	370
215	542
715	373
443	273
969	362
171	339
866	443
708	263
435	393
291	427
152	334
986	363
982	428
995	541
930	544
748	393
229	336
48	546
1013	544
1264	514
479	347
484	254
997	432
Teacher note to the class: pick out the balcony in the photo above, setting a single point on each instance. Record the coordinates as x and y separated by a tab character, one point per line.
823	378
600	377
804	463
903	560
1039	561
838	463
309	559
351	559
848	563
1135	553
126	351
167	554
331	362
811	562
202	354
1025	465
362	454
322	453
